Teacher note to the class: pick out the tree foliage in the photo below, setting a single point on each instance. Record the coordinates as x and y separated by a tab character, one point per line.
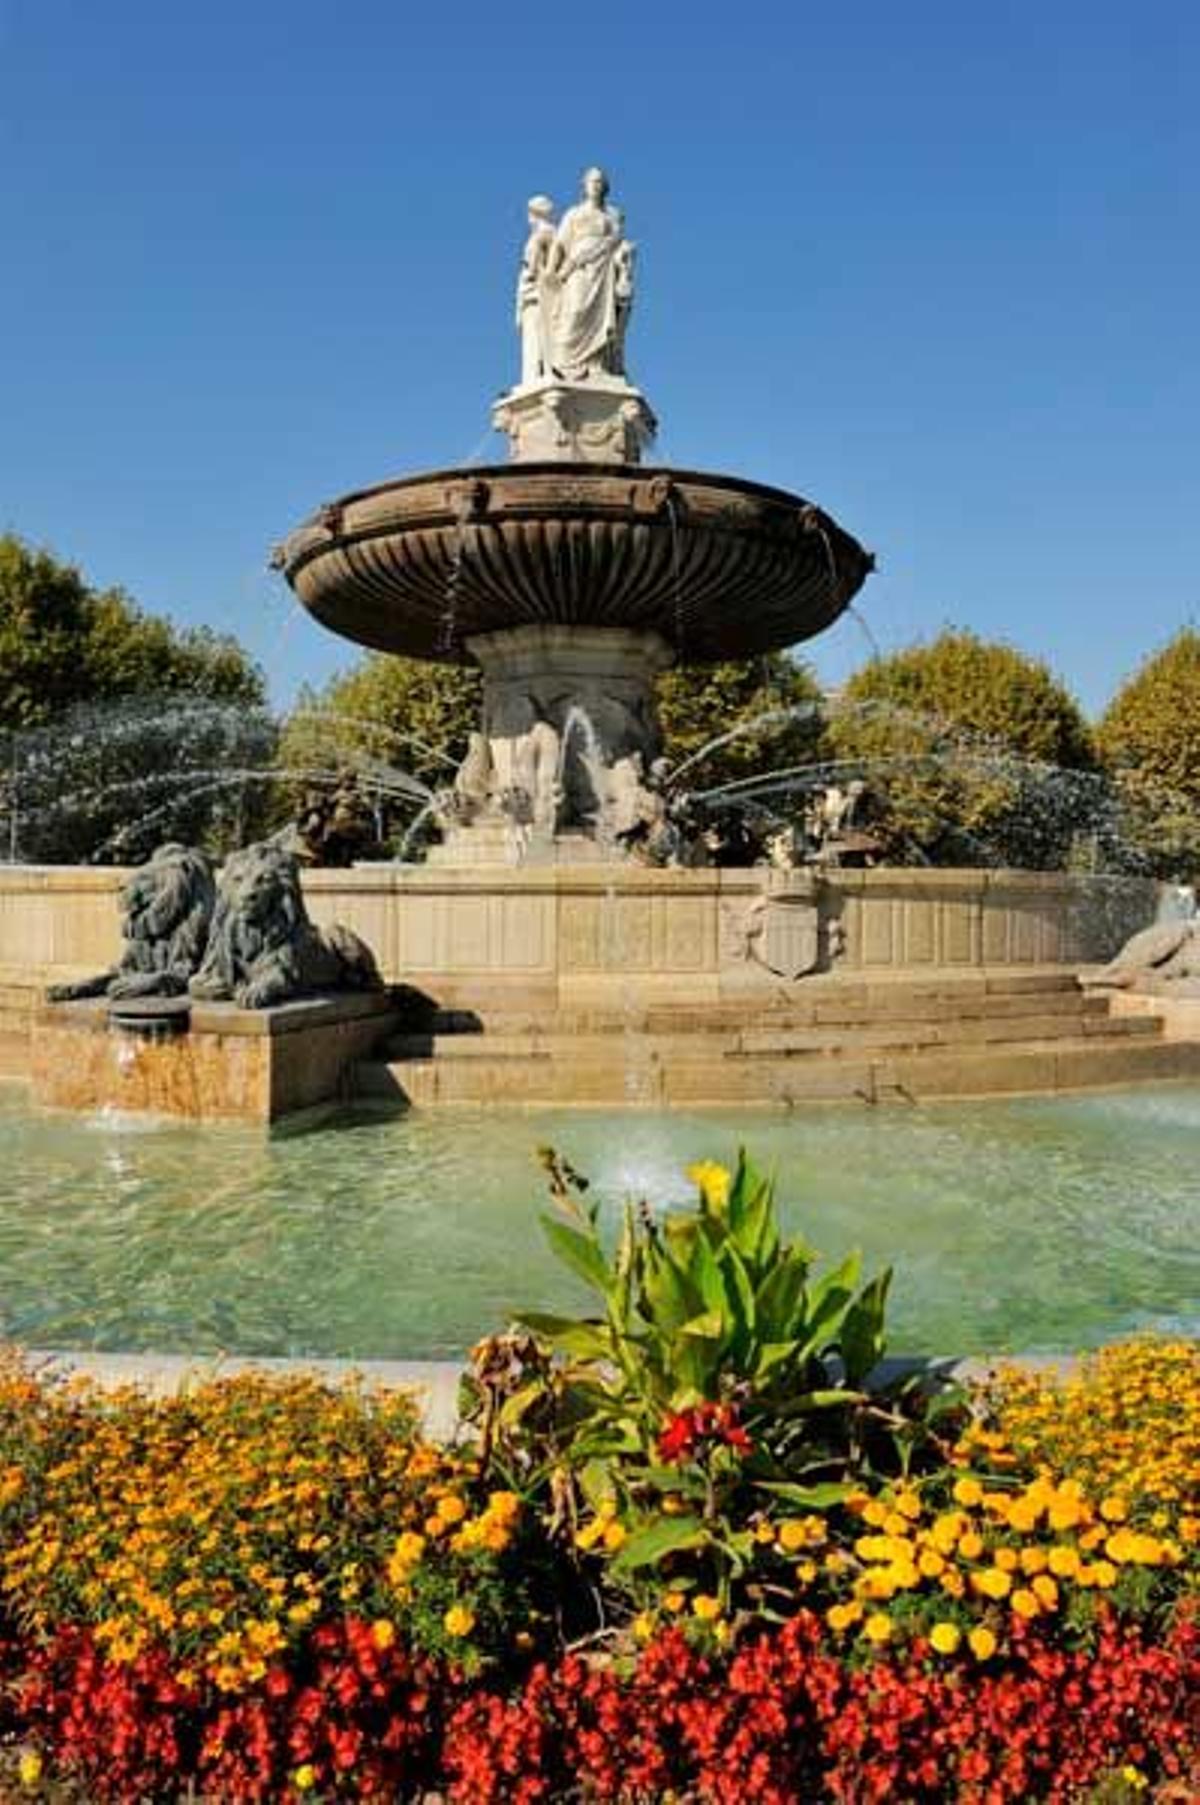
979	754
769	706
1149	736
119	728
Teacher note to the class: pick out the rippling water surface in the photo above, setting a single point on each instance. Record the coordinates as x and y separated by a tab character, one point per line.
1034	1224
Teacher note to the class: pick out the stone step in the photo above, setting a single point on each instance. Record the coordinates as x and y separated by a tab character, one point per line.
717	1040
731	1017
610	1076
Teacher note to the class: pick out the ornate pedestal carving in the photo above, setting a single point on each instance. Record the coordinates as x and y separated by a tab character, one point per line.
570	734
601	421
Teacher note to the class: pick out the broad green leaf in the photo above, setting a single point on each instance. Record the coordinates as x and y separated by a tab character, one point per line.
862	1337
585	1339
709	1326
580	1252
778	1300
667	1536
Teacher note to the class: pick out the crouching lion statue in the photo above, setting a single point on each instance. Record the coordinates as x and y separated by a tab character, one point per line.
166	909
262	947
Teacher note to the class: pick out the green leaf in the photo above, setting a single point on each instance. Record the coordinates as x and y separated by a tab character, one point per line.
582	1253
585	1339
862	1337
778	1300
710	1326
807	1497
669	1535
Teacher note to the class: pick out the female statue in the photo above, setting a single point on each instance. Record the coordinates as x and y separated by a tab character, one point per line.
588	272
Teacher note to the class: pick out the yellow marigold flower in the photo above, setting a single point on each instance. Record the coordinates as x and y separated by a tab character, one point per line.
1007	1559
615	1535
894	1524
643	1626
459	1620
764	1533
505	1505
383	1632
451	1509
909	1505
1025	1602
304	1778
1065	1513
706	1607
930	1563
1114	1509
673	1505
1023	1515
674	1602
970	1546
944	1638
841	1616
590	1534
982	1642
806	1572
878	1627
874	1513
952	1583
794	1535
968	1491
993	1582
1064	1561
1045	1590
713	1181
1033	1560
29	1768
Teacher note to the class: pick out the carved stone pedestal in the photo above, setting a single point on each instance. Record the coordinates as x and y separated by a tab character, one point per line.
604	420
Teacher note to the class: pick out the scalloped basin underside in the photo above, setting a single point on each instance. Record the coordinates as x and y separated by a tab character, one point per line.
719	567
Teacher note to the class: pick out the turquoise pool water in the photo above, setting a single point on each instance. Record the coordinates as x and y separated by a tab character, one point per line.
1038	1224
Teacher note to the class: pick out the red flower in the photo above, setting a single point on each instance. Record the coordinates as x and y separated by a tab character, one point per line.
704	1422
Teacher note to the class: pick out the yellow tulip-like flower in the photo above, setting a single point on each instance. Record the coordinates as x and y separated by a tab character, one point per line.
982	1642
878	1628
713	1181
944	1638
706	1607
459	1620
304	1778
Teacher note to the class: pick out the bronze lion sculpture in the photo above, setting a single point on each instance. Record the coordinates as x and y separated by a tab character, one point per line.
166	908
262	947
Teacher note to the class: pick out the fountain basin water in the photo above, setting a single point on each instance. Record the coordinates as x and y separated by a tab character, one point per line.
718	567
1039	1224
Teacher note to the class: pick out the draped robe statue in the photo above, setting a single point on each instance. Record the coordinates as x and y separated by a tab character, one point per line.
592	288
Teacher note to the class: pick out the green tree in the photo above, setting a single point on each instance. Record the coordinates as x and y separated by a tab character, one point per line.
977	753
765	711
119	729
1149	737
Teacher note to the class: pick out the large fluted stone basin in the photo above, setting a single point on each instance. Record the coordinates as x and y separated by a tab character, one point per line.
718	567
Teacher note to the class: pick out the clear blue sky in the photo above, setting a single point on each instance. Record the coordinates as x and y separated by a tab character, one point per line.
935	266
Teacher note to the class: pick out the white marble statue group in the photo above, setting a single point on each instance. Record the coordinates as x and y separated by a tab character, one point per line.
575	289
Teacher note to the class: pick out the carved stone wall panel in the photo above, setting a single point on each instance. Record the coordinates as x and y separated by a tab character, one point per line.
684	933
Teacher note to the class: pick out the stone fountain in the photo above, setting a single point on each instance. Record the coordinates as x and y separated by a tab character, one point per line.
573	575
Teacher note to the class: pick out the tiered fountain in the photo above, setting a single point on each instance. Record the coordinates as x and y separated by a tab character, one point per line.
573	575
565	907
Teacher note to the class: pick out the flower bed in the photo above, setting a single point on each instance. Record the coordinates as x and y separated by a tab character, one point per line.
687	1554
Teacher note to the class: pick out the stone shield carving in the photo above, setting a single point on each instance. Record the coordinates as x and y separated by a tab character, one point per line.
782	933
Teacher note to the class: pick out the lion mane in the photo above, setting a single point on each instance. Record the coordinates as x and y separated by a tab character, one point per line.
262	947
166	909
